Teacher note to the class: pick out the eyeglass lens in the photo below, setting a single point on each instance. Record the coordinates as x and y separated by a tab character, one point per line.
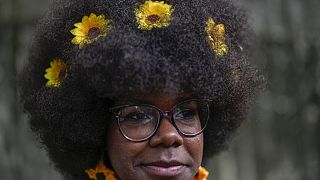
140	122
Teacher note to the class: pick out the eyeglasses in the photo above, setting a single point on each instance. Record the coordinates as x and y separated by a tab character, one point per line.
140	122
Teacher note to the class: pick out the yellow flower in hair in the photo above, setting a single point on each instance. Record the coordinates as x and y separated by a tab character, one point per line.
153	14
216	37
101	168
56	73
90	29
202	174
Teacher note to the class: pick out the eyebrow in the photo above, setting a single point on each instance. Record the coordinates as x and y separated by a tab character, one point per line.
141	101
138	101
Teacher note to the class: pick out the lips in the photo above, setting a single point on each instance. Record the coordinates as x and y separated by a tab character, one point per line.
164	168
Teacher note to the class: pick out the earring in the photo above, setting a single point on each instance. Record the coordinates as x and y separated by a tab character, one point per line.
202	174
101	169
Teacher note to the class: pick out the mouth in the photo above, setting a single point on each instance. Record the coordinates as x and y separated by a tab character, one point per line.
164	168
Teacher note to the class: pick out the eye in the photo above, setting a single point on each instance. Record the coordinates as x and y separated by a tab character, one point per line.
185	114
137	116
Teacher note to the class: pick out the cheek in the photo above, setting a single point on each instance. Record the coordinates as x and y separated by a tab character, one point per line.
195	148
123	154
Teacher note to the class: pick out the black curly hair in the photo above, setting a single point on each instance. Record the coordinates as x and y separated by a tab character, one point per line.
71	121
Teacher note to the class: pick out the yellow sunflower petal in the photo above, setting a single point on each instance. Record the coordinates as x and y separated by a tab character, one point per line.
220	30
77	40
52	63
79	25
47	76
92	15
91	173
85	19
210	23
53	84
77	32
102	23
101	17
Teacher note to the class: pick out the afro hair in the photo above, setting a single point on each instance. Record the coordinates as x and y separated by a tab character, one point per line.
71	120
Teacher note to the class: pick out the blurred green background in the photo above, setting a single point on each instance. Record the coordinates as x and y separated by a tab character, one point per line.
280	139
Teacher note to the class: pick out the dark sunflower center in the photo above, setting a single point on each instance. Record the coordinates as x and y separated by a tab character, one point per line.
93	33
100	176
153	18
62	74
213	34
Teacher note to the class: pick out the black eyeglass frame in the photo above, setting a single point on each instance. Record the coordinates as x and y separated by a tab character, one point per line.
168	114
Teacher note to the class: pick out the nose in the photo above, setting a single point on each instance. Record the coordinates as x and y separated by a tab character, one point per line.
166	135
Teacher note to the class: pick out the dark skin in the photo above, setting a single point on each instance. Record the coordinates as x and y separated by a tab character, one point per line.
166	155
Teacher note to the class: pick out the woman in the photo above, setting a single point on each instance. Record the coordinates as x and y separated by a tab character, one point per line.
138	89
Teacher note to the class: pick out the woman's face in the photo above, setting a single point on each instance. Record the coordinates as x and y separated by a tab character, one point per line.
166	155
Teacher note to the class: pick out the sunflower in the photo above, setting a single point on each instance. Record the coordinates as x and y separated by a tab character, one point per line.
202	174
56	73
153	14
101	169
216	37
90	29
